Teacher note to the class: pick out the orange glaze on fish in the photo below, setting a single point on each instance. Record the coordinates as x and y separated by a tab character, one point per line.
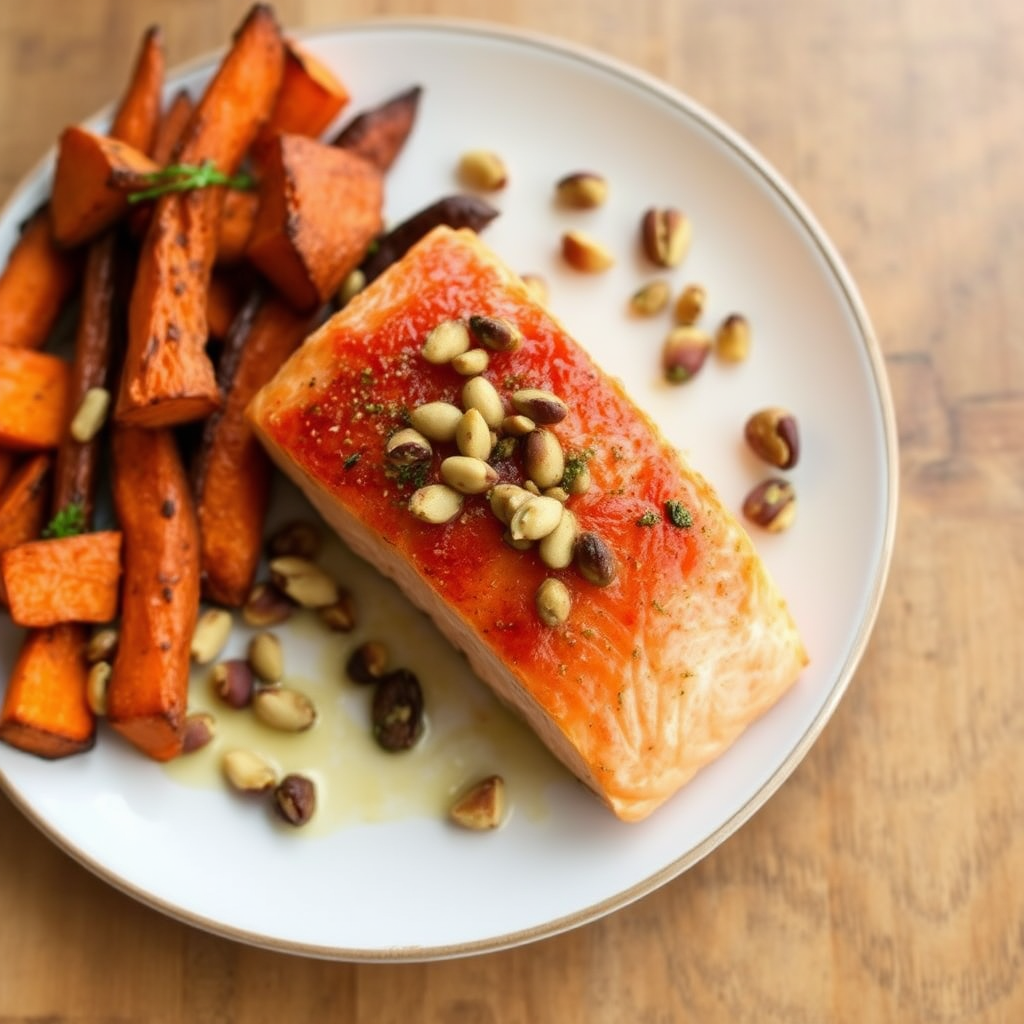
652	676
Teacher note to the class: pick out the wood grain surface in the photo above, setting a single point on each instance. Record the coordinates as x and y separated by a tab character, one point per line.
885	880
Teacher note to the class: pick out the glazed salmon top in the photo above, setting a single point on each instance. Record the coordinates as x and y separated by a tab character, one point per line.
650	676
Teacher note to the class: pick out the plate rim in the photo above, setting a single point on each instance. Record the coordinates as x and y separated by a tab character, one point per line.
764	171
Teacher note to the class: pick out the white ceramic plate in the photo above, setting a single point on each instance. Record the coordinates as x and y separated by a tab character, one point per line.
383	876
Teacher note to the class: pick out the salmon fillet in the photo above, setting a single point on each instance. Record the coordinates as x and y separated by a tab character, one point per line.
651	676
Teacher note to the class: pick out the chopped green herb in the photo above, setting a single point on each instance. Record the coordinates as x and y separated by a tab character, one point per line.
504	449
373	408
575	463
678	514
352	459
68	522
183	178
414	475
649	518
366	377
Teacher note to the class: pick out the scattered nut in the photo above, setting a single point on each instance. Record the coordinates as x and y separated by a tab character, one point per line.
299	538
520	544
435	504
96	684
684	353
473	436
582	190
690	304
295	799
266	606
535	518
771	504
353	284
283	708
497	333
553	602
248	772
556	549
340	616
665	236
448	339
482	806
558	492
407	447
266	658
579	481
482	169
537	288
397	711
367	663
594	559
480	394
530	486
543	458
91	415
541	406
436	420
732	342
200	728
232	681
302	581
505	499
102	645
471	363
468	475
210	635
772	436
517	425
585	254
650	299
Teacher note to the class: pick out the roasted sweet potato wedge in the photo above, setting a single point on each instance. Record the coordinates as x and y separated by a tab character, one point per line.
33	398
320	207
310	98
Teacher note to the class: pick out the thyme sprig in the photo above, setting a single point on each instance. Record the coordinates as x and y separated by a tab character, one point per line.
183	178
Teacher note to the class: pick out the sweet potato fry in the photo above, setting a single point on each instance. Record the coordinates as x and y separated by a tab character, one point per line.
8	460
138	115
232	472
23	504
77	462
33	398
44	710
458	211
223	303
320	207
171	127
148	692
87	197
38	279
167	377
311	96
237	218
68	579
379	134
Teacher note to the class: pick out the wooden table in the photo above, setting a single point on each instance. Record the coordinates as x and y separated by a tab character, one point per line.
885	881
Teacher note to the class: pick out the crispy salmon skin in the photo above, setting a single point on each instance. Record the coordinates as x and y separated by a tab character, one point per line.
652	675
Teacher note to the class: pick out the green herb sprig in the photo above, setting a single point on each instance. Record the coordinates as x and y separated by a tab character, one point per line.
68	522
183	178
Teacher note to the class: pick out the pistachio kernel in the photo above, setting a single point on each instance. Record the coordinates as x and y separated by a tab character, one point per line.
248	771
665	236
594	559
436	504
295	798
471	363
480	394
443	343
397	710
543	407
266	657
690	304
543	458
473	436
407	446
266	606
684	354
436	420
582	190
650	299
482	169
772	436
284	709
232	681
732	341
498	333
553	602
200	728
557	548
367	663
535	518
771	505
468	475
303	582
